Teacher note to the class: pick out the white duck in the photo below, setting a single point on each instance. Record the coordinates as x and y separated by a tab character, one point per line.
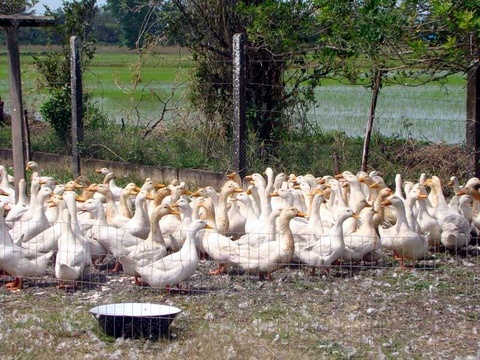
329	247
5	184
109	180
125	204
456	229
246	207
73	259
25	230
466	208
209	241
205	192
173	269
139	224
365	241
177	238
297	225
264	197
5	237
437	199
222	219
428	223
36	171
383	215
114	218
336	204
22	204
267	257
47	240
401	238
356	199
314	228
20	263
27	215
94	207
236	220
149	250
266	234
113	240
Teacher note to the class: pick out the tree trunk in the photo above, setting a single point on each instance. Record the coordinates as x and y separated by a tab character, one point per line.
373	105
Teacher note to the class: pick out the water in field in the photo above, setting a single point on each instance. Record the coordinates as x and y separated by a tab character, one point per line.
430	112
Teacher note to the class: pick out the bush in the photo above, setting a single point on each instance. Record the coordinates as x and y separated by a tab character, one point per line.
57	111
196	144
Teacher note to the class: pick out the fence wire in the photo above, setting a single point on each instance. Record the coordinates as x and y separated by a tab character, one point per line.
190	289
229	307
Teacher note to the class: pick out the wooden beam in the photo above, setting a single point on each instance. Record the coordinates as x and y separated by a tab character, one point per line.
26	20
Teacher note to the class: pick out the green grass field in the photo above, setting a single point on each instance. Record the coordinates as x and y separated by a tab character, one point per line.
131	88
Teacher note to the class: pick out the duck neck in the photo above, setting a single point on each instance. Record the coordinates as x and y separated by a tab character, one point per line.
221	214
314	219
286	235
401	216
155	234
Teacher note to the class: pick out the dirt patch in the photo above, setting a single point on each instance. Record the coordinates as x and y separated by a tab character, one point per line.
370	311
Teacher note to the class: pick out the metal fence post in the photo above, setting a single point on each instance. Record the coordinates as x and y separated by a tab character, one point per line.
239	106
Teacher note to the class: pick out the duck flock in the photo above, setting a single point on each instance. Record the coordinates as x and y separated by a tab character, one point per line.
158	233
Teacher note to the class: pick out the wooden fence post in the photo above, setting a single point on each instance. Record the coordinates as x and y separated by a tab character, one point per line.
2	112
239	106
473	122
16	104
11	23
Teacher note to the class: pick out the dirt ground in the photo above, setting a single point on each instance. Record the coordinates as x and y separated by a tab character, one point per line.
375	311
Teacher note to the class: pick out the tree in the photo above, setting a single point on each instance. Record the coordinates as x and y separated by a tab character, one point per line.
401	42
445	34
10	7
106	27
284	64
137	20
372	34
75	18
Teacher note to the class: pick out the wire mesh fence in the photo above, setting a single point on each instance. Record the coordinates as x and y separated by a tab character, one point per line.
271	293
238	301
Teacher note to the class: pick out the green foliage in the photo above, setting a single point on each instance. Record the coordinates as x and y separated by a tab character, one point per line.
106	28
9	7
137	20
74	19
194	144
280	77
5	136
56	110
44	139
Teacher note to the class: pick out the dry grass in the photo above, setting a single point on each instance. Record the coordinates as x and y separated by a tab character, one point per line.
377	312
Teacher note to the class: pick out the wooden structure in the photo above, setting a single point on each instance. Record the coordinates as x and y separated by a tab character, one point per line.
10	24
473	121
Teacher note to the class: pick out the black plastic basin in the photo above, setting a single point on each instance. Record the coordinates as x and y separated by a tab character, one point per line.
135	320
